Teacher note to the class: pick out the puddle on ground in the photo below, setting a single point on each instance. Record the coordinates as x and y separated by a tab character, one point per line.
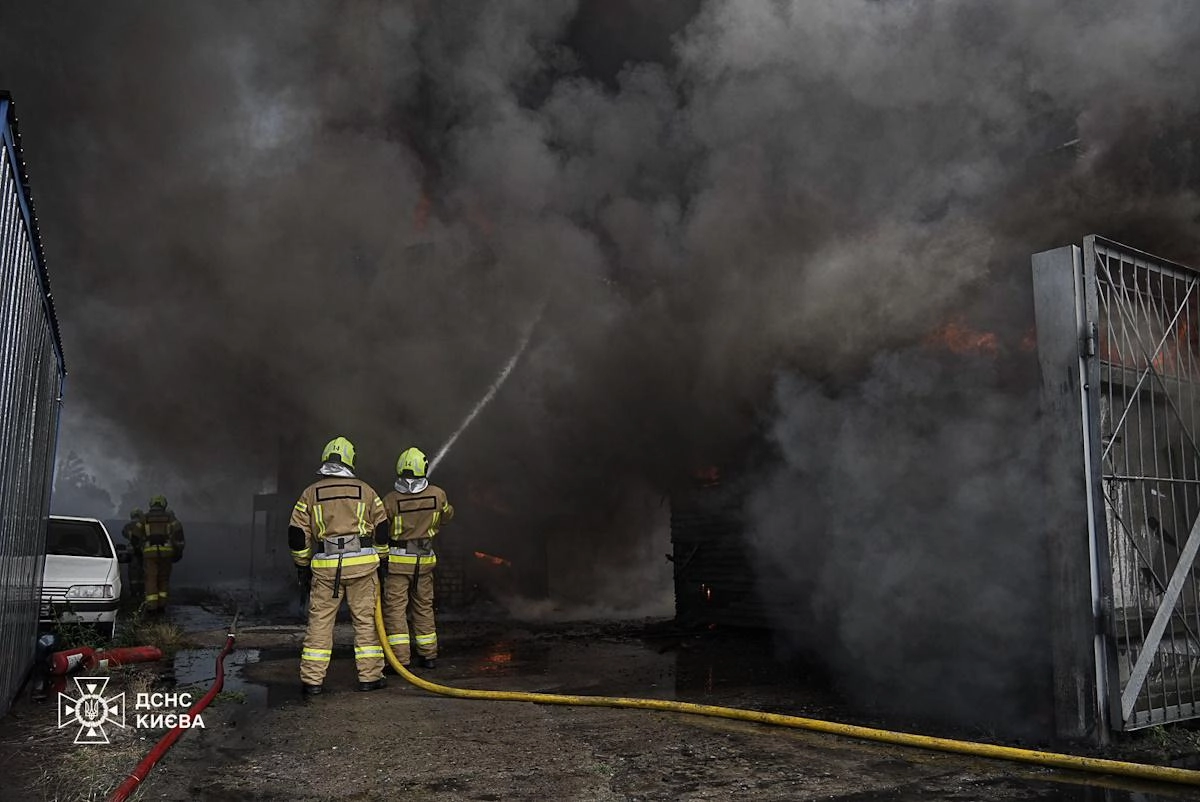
508	658
197	668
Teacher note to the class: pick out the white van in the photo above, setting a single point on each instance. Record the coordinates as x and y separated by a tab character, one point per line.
81	582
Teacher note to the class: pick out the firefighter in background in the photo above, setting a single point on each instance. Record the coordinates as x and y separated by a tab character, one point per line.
135	533
162	548
337	529
416	511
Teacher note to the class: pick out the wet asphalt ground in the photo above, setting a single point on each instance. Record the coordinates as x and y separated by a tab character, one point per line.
263	742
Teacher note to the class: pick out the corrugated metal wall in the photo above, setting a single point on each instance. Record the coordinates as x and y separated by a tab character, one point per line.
31	381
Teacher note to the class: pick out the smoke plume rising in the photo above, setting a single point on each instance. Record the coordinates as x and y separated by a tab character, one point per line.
268	218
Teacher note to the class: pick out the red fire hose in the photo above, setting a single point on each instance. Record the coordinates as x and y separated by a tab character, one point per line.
141	770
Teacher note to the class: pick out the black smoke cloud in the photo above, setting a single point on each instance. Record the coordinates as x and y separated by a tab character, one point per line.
268	218
901	531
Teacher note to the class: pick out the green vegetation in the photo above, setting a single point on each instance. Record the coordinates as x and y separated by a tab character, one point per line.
231	696
163	634
133	629
72	634
1175	739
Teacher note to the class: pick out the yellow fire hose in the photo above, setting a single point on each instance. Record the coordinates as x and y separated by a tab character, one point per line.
1052	759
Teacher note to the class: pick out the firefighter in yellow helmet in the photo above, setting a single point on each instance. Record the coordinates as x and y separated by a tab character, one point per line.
416	511
337	527
162	547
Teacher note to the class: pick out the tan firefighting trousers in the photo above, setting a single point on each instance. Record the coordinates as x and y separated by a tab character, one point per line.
157	568
360	593
401	600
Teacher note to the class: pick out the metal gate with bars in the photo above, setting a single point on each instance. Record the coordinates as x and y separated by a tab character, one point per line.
1147	363
1136	319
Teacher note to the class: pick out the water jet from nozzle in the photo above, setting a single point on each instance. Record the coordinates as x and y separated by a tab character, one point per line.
496	385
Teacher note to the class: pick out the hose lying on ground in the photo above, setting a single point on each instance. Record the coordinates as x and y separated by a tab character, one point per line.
141	770
1051	759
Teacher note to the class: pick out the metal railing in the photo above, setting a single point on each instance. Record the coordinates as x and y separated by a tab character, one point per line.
31	383
1146	340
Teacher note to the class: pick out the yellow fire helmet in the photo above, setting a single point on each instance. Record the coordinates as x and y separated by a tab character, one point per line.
159	502
412	463
342	449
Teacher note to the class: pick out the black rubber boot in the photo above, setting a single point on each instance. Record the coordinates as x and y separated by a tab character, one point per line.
427	662
372	686
311	690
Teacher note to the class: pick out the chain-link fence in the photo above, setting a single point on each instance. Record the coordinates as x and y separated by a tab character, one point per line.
31	382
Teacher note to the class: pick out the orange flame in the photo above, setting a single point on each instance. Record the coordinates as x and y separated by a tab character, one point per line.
958	338
491	558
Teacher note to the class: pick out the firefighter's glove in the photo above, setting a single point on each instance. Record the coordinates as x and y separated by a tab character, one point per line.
303	575
177	555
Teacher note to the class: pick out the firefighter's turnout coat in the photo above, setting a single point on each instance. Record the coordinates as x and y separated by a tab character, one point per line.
414	521
338	516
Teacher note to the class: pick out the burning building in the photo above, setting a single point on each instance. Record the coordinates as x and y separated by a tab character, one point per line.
1049	567
887	527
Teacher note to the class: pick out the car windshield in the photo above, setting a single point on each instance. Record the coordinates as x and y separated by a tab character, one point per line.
76	539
